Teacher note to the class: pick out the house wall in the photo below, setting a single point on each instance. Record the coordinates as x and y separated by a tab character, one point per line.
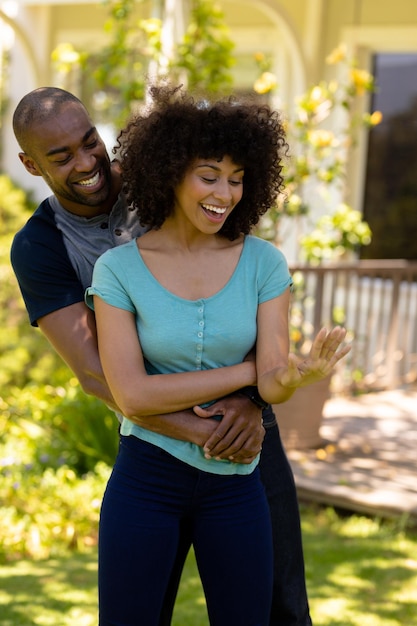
298	33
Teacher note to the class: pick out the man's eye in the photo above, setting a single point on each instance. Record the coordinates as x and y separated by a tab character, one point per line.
92	144
63	160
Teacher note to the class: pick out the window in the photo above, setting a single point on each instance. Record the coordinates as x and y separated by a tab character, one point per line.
390	194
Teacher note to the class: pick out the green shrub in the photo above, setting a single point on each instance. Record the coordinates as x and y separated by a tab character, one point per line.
25	355
58	423
56	446
43	411
45	511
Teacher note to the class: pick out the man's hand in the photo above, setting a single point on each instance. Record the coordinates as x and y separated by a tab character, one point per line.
239	434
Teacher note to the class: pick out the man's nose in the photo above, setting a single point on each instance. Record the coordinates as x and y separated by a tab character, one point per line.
85	161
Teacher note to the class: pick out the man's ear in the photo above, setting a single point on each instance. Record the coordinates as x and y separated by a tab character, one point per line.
29	164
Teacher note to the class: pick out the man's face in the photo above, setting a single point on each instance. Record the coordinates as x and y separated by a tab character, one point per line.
70	155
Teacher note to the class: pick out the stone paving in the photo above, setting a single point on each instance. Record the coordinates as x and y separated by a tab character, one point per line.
368	459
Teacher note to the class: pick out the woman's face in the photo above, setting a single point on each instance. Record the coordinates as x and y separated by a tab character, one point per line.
209	192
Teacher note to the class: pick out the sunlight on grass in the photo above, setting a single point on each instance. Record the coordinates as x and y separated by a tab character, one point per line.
190	608
56	592
360	572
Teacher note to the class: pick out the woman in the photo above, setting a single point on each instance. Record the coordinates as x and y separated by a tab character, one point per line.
178	312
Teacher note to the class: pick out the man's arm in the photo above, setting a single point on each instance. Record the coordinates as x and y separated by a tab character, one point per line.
72	333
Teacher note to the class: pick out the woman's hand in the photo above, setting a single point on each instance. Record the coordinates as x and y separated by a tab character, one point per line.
326	351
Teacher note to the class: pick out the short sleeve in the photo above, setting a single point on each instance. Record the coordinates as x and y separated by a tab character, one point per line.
274	276
43	270
110	282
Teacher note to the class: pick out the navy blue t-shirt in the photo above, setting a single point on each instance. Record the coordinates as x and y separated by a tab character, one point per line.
53	255
46	278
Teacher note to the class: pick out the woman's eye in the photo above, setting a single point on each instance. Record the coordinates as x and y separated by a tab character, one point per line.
208	180
235	183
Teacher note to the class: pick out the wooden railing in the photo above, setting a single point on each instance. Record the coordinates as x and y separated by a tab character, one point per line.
377	302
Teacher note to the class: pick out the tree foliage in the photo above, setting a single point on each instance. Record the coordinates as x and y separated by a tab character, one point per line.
205	53
316	172
114	77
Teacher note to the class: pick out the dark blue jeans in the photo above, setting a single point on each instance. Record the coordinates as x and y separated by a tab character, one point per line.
148	496
289	600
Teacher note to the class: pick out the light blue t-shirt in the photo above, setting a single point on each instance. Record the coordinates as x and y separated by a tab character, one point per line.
179	335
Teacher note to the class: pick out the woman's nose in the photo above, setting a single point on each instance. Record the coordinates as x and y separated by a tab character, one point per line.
222	191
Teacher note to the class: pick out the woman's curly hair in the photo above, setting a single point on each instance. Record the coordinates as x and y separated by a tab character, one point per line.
158	146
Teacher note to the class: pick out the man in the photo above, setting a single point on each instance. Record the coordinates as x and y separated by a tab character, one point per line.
53	257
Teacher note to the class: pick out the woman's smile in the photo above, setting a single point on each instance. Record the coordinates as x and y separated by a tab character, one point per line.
214	213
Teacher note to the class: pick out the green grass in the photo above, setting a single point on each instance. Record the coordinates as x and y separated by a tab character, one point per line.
360	572
56	592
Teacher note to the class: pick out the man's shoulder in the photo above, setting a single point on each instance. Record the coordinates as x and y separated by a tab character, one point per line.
38	242
42	267
40	224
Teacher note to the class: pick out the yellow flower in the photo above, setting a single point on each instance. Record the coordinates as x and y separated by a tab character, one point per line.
151	26
362	80
337	55
265	83
376	118
372	119
321	138
317	93
65	53
259	57
295	335
293	204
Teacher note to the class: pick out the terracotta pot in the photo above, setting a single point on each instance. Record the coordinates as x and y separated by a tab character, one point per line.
299	419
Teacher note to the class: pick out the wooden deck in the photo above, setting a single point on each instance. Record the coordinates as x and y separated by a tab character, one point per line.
368	460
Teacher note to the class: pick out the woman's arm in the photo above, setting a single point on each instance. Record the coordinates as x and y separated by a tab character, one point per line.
279	373
272	347
136	392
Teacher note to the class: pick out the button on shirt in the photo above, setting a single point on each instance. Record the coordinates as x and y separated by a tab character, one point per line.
179	335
